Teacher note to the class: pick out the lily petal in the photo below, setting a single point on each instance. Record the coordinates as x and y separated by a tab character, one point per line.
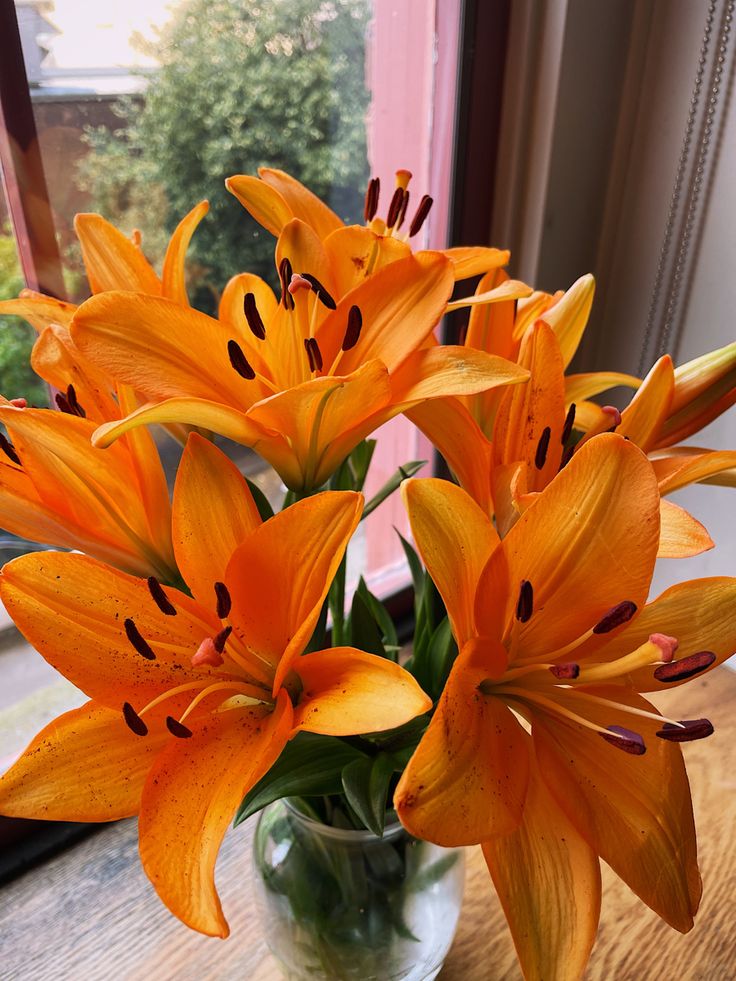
189	800
635	811
72	609
467	779
84	766
602	513
509	289
681	535
455	539
356	252
477	260
303	203
279	577
346	692
262	201
452	370
569	316
174	285
111	260
579	388
683	468
549	882
700	613
644	416
39	310
213	513
55	359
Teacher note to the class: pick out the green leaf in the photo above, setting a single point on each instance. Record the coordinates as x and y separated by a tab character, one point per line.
364	632
442	654
310	765
318	640
380	614
392	484
366	784
416	568
261	501
343	478
360	459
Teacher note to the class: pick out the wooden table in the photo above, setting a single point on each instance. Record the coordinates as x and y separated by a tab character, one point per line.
90	913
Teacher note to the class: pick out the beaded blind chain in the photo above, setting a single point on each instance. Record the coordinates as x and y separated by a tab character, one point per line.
695	169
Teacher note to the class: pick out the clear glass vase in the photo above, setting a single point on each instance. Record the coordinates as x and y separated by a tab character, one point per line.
343	904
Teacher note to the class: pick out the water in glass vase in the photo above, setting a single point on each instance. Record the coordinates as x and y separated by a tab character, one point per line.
345	905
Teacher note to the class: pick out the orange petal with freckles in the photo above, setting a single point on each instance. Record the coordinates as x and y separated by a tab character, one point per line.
681	535
57	361
189	800
549	882
447	370
279	577
526	411
635	811
454	538
111	260
644	416
39	310
568	317
452	430
346	692
302	202
589	542
467	779
174	285
357	252
86	765
262	201
161	349
470	261
400	306
700	613
72	609
312	417
213	513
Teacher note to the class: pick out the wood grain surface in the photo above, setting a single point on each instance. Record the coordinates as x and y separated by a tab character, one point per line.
90	914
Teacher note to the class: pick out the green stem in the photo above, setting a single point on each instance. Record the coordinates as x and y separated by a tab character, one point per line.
337	604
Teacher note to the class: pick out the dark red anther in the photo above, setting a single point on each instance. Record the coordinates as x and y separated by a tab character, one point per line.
62	404
371	198
133	721
319	289
685	668
540	457
71	397
224	602
352	331
285	274
139	643
177	728
9	450
569	423
402	211
253	316
239	361
628	741
566	456
313	353
565	672
425	206
687	731
525	603
394	208
220	639
616	616
160	598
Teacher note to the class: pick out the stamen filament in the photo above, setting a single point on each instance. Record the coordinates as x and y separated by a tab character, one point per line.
223	686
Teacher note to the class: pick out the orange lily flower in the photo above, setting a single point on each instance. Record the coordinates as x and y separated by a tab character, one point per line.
542	748
302	379
274	199
56	488
193	699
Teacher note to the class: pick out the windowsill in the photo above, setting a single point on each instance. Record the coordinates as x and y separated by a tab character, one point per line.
91	913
